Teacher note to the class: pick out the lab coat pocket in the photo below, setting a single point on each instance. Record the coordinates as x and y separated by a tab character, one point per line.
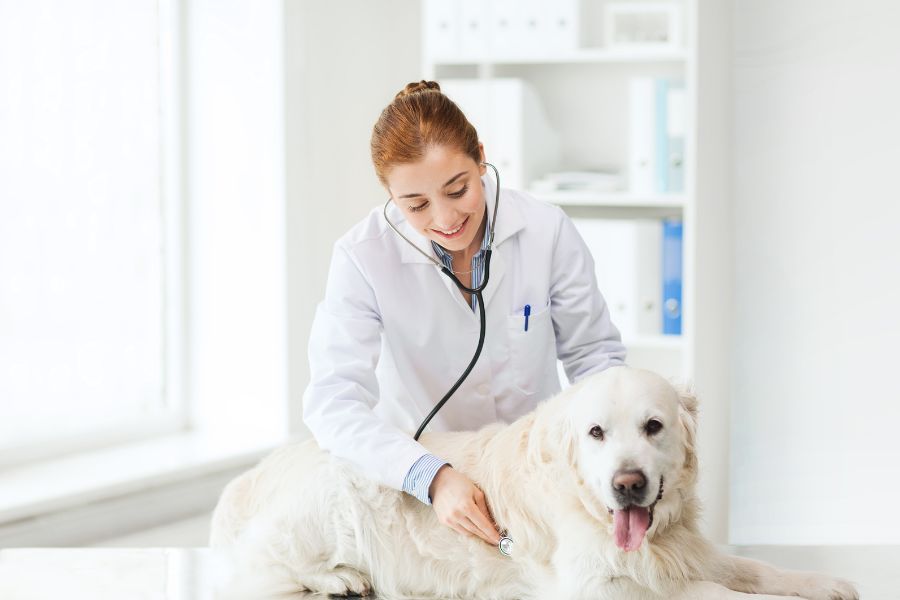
530	351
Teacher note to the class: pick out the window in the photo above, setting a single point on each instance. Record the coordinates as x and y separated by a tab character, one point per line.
84	319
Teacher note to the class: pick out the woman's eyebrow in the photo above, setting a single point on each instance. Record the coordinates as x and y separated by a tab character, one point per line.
451	180
454	178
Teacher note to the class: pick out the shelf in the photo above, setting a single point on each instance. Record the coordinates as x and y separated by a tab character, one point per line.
584	55
612	200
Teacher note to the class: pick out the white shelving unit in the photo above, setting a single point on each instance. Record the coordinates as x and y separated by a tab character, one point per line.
588	69
584	55
614	200
583	89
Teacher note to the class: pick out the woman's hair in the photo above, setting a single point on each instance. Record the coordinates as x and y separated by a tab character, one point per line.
419	117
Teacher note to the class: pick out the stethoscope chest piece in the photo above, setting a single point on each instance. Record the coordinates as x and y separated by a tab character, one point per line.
505	545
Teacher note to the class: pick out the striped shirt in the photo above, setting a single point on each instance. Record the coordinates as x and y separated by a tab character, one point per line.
421	474
477	265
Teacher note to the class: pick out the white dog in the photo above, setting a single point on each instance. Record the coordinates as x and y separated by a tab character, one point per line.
595	487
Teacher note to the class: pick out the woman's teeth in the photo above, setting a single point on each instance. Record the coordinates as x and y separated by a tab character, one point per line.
452	231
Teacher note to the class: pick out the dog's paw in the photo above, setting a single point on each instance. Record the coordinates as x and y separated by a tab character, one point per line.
822	587
339	582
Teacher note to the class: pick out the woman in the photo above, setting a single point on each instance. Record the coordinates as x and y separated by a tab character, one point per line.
394	333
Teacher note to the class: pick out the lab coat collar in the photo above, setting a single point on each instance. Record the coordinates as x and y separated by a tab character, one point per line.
408	254
509	222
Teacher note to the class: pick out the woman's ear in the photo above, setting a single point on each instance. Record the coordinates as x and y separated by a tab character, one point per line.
482	168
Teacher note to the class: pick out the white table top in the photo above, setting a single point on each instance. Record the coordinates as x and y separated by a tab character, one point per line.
188	573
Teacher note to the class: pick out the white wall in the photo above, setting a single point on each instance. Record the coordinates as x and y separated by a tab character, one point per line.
344	61
708	257
815	457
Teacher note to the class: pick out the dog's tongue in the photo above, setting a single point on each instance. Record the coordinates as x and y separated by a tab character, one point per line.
631	526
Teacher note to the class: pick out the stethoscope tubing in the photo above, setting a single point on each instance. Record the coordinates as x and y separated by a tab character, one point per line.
469	368
476	291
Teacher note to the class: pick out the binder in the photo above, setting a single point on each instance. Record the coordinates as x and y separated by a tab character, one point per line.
474	32
507	28
661	129
441	23
657	119
626	257
672	276
561	26
676	125
642	136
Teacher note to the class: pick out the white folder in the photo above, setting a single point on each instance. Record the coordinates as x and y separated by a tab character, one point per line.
440	21
474	29
627	258
641	136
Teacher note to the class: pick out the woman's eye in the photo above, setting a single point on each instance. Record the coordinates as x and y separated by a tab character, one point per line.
460	193
653	427
596	432
418	208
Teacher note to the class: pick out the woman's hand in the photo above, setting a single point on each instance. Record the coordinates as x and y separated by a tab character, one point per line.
460	505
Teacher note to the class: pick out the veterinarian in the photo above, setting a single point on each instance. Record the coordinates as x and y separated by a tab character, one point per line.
393	333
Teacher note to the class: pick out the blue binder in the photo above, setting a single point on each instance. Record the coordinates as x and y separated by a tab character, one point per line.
669	164
671	276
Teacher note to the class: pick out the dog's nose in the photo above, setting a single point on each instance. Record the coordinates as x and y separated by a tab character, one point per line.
629	486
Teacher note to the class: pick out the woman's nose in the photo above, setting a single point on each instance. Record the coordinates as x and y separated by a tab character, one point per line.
445	219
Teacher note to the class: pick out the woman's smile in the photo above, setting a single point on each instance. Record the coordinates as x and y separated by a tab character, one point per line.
453	233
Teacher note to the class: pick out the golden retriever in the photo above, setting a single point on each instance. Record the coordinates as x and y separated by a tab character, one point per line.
596	487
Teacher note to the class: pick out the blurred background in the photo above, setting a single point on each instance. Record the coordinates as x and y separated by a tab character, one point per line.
173	174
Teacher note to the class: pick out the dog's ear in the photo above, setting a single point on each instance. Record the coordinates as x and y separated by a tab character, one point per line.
687	415
551	437
687	400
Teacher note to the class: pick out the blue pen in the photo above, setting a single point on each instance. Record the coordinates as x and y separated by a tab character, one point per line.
527	314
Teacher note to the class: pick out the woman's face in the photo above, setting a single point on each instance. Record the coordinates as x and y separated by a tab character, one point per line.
441	196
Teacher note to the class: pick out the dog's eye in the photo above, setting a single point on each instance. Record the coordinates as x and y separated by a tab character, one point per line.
596	432
653	427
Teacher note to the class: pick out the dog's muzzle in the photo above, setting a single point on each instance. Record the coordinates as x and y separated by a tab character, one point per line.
632	522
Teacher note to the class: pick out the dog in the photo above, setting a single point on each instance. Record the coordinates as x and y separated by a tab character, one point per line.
596	488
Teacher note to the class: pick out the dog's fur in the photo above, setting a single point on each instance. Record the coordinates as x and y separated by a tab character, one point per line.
305	520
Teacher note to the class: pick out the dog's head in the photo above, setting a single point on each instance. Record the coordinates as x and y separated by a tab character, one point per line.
630	436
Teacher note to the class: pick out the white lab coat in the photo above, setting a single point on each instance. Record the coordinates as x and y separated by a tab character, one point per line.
394	333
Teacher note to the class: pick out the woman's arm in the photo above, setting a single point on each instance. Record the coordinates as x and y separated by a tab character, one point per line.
344	347
586	339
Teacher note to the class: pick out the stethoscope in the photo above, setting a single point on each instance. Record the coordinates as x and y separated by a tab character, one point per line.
505	544
477	291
